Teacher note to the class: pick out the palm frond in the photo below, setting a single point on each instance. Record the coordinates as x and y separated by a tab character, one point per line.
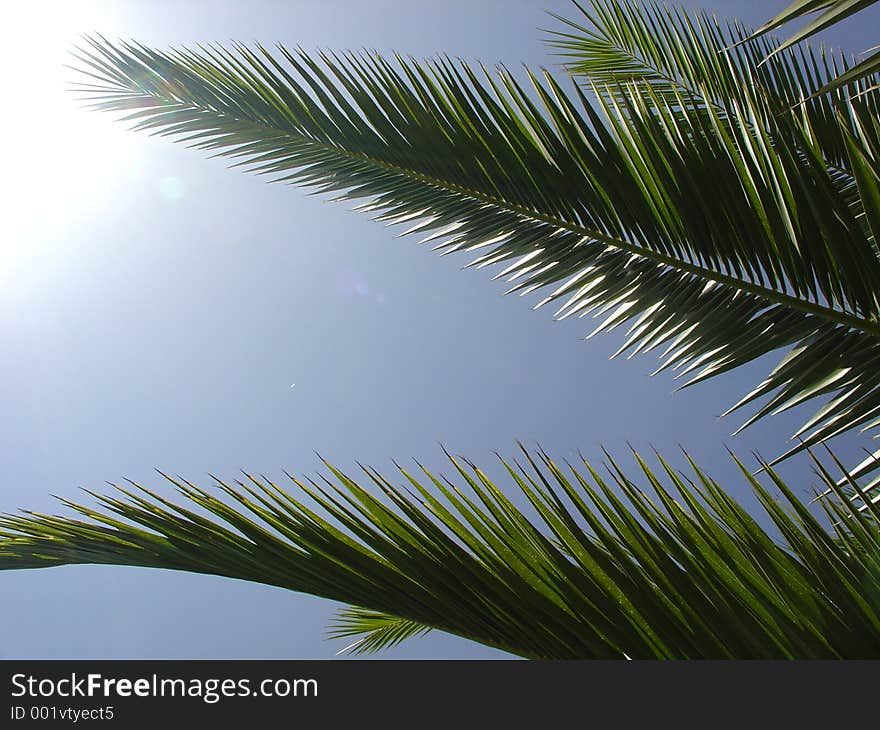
655	565
827	13
699	62
715	242
697	57
377	630
867	68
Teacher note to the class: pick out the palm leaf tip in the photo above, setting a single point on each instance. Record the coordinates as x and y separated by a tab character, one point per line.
825	14
375	630
648	564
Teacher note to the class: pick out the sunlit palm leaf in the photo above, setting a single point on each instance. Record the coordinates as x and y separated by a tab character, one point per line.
679	55
376	630
718	232
827	13
589	566
867	68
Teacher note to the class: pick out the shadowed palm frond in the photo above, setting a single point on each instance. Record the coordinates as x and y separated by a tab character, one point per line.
654	565
717	229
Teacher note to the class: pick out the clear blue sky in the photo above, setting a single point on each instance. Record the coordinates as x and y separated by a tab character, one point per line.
155	309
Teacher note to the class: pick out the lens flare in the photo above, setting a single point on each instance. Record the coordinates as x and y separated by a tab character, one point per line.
172	188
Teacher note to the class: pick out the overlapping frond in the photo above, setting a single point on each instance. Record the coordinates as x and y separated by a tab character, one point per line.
693	62
716	229
696	57
826	13
653	565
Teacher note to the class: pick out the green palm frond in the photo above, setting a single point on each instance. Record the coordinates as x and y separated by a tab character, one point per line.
716	233
677	54
376	630
655	565
827	13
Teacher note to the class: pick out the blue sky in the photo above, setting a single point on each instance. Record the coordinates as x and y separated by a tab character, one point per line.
155	309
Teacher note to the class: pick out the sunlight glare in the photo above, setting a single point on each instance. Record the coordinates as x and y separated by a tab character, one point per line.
60	160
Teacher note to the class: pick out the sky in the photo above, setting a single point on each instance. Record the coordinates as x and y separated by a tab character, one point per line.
155	309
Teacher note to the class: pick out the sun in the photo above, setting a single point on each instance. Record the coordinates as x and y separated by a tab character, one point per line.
57	158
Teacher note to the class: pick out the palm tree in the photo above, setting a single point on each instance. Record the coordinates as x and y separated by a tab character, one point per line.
718	204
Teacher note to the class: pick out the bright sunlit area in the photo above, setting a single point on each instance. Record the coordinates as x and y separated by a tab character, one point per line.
61	167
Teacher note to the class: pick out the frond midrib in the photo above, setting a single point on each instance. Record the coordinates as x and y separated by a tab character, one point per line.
772	296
